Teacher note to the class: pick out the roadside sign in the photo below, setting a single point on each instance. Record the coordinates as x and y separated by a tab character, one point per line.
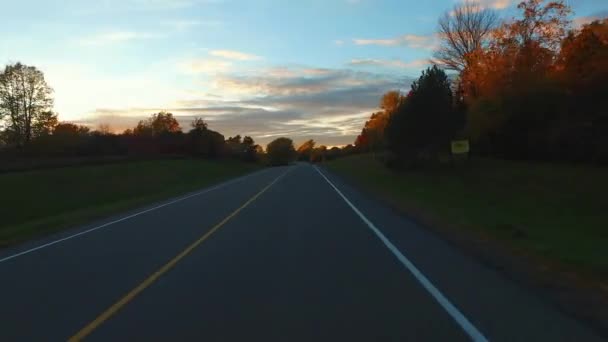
460	147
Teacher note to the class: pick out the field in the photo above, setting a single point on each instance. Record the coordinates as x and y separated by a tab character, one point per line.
558	212
39	202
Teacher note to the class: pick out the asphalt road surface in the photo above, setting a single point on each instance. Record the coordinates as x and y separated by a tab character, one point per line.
284	254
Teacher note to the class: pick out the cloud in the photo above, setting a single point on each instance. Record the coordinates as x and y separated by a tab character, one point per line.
204	66
234	55
113	37
163	5
409	40
339	42
495	4
113	6
182	24
393	63
328	105
580	21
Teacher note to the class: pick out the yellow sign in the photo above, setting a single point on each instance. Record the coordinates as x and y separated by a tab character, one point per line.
460	147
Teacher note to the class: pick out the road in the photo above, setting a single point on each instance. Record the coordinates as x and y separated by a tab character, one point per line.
284	254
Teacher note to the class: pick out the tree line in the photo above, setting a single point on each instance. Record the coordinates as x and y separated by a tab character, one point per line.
530	88
30	128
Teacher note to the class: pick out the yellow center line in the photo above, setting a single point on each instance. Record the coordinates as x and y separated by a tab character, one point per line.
112	310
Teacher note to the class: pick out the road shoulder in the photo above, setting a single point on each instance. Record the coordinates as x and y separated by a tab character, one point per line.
583	299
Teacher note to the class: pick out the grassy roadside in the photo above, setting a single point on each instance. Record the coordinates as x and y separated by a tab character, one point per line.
557	212
40	202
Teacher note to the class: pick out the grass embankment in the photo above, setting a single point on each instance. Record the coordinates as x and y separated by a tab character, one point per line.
558	212
43	201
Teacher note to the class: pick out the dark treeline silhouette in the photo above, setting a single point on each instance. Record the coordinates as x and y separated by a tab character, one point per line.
29	129
530	88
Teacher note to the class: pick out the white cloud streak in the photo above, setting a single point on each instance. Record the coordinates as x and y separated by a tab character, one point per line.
234	55
409	40
114	37
389	63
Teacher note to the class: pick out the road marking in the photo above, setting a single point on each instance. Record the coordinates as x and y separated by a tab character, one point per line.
126	218
460	318
104	316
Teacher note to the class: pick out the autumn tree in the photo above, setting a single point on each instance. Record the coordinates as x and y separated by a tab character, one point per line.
305	150
158	124
513	101
391	101
26	103
582	70
464	30
372	137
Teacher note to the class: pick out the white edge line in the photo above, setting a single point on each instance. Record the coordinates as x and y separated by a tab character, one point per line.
127	217
460	318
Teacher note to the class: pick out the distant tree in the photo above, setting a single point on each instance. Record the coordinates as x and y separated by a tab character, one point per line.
236	140
319	154
248	141
249	150
103	129
199	124
462	31
158	124
305	150
70	129
334	153
426	121
26	103
205	143
348	150
281	151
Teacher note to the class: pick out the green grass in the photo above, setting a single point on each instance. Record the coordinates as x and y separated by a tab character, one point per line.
40	202
556	211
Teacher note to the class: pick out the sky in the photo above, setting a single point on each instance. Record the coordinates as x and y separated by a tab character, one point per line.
306	69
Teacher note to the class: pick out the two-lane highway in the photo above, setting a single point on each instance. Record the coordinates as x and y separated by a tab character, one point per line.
285	254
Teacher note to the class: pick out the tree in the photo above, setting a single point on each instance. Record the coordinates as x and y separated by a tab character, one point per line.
391	101
158	124
545	26
249	150
46	123
464	30
305	150
103	129
199	124
515	104
426	121
70	129
319	154
26	102
248	141
280	151
206	143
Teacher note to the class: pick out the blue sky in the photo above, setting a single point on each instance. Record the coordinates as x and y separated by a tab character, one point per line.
266	68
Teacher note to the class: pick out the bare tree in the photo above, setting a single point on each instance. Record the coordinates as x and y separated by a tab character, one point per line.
25	99
462	31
